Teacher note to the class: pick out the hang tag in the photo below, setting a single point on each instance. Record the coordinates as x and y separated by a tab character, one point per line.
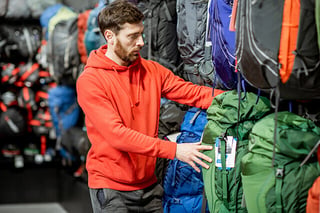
231	146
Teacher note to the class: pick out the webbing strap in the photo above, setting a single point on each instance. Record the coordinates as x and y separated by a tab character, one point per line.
279	181
224	173
317	15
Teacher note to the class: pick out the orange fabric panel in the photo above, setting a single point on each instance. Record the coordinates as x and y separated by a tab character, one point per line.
313	205
288	39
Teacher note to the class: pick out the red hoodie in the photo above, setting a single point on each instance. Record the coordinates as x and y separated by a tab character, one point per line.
121	106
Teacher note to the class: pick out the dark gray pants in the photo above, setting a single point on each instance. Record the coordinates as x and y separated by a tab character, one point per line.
144	200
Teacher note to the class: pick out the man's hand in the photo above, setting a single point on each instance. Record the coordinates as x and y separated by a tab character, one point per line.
190	153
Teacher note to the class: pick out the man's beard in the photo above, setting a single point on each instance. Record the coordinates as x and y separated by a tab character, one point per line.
124	54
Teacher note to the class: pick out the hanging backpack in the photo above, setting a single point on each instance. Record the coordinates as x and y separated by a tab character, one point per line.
277	177
229	124
63	56
76	142
10	73
277	47
63	107
28	74
191	34
42	126
46	16
160	39
223	42
93	38
80	5
19	41
82	28
13	121
183	186
171	117
37	7
14	9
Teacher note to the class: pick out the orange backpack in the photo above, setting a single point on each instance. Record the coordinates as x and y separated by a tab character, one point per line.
82	27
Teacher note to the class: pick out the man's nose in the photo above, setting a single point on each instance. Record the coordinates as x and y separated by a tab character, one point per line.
140	41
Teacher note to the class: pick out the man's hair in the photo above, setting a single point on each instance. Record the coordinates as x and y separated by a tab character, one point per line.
117	13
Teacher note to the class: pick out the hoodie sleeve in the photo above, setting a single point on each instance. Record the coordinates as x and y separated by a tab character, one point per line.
106	125
185	92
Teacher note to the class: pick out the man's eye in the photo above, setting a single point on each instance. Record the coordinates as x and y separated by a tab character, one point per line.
134	37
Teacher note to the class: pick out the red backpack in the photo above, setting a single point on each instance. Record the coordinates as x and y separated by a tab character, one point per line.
82	27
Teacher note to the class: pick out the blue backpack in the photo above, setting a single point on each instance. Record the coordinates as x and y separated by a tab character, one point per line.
183	186
64	108
223	42
46	15
92	37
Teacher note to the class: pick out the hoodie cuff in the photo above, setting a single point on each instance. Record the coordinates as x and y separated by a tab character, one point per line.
167	149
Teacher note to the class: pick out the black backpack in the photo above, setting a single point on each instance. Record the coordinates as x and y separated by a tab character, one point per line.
160	32
19	41
277	57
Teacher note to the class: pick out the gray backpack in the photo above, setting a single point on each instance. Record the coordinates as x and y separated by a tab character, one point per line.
191	32
63	56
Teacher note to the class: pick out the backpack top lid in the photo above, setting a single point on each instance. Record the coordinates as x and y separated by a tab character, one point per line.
223	112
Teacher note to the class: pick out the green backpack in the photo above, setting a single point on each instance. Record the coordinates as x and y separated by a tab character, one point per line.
284	186
223	185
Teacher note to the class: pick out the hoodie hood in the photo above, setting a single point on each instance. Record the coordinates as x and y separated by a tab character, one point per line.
98	60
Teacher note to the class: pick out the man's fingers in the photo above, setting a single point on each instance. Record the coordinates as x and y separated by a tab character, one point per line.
194	166
204	157
200	162
205	147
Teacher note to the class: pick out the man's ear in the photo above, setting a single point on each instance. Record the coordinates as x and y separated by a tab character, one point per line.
109	35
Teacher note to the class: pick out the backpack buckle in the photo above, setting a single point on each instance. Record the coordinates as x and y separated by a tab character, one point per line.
279	173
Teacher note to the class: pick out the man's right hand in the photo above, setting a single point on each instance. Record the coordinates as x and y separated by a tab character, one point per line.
190	153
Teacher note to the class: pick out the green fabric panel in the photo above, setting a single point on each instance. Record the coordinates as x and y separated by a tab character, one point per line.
256	174
223	115
296	136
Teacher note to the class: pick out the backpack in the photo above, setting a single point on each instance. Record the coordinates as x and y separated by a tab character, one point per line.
37	7
183	186
160	39
279	53
191	34
226	121
46	15
63	56
10	73
63	107
93	38
19	41
75	141
14	9
13	121
223	42
277	177
28	74
171	117
80	5
82	28
26	100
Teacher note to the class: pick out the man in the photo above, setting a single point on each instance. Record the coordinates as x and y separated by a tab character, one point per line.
120	94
